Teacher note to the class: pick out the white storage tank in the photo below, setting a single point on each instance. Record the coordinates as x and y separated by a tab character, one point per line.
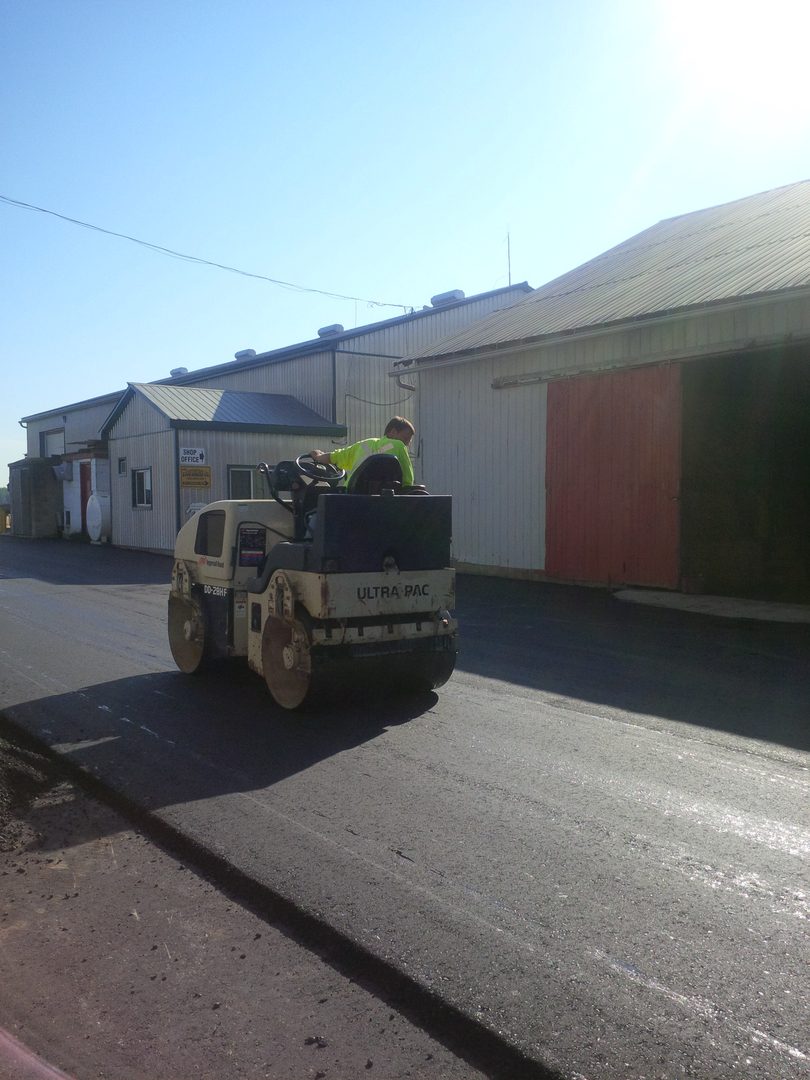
98	518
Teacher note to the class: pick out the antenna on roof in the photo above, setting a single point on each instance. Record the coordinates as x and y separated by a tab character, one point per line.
509	256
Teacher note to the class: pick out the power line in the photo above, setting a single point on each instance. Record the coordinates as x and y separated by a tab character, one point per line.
203	262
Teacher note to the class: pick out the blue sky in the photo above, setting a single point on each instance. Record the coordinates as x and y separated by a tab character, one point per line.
381	151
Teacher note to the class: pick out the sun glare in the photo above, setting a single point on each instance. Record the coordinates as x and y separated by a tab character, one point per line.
742	63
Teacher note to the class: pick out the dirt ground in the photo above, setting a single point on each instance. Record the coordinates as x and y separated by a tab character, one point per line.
118	962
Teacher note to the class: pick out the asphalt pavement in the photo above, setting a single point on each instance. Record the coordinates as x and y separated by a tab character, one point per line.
586	840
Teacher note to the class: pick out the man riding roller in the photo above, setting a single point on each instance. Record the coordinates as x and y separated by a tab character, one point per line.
396	438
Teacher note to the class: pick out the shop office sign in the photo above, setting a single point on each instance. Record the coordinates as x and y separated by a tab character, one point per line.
192	455
194	473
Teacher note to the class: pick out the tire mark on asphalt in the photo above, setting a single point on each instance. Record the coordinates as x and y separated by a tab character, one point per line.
700	1006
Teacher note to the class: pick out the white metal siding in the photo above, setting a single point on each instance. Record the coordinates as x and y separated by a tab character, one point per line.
151	529
72	501
226	448
366	398
80	426
486	448
359	394
139	418
72	491
100	476
141	435
156	529
307	378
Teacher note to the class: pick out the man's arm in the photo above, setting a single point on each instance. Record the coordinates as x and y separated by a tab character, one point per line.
320	457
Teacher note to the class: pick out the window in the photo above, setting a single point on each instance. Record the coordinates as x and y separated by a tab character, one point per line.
122	466
210	534
52	443
240	482
142	488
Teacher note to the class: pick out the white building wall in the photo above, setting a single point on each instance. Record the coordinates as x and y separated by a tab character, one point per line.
487	449
72	502
225	449
351	383
141	439
72	491
80	426
307	378
155	529
138	418
100	476
366	398
152	529
485	445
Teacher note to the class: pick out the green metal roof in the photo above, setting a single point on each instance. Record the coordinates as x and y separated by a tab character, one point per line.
237	410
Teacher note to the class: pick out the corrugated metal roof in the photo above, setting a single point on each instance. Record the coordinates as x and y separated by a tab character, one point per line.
193	406
756	245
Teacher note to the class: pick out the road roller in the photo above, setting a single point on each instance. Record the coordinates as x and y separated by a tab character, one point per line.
323	586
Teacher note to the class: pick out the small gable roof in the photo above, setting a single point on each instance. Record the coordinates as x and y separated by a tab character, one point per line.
235	410
755	246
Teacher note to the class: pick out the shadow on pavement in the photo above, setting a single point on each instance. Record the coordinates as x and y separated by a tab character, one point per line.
74	562
744	677
140	735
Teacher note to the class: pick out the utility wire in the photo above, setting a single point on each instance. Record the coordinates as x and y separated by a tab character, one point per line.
202	262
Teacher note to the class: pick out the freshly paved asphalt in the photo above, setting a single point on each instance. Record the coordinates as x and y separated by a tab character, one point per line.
592	843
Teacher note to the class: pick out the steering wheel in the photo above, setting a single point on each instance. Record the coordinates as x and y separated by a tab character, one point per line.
314	470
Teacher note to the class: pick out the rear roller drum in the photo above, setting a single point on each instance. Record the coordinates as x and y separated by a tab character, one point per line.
187	638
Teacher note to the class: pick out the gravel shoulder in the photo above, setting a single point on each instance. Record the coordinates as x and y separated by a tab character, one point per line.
118	961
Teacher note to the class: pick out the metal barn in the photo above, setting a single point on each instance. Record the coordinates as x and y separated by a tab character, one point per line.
341	376
644	419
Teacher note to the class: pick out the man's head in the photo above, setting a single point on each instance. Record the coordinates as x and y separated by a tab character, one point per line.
399	428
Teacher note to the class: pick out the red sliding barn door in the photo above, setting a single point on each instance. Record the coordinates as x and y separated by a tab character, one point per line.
613	473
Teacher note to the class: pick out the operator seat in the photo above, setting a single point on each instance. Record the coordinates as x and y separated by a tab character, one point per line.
375	473
309	496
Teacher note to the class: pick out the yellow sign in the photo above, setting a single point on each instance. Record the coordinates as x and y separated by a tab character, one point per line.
195	476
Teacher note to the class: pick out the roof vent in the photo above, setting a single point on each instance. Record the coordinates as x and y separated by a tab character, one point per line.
244	354
330	331
442	298
178	371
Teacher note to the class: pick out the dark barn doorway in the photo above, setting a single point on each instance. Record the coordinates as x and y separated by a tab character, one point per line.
745	524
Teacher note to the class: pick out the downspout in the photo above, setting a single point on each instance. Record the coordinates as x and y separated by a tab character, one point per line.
334	387
177	479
